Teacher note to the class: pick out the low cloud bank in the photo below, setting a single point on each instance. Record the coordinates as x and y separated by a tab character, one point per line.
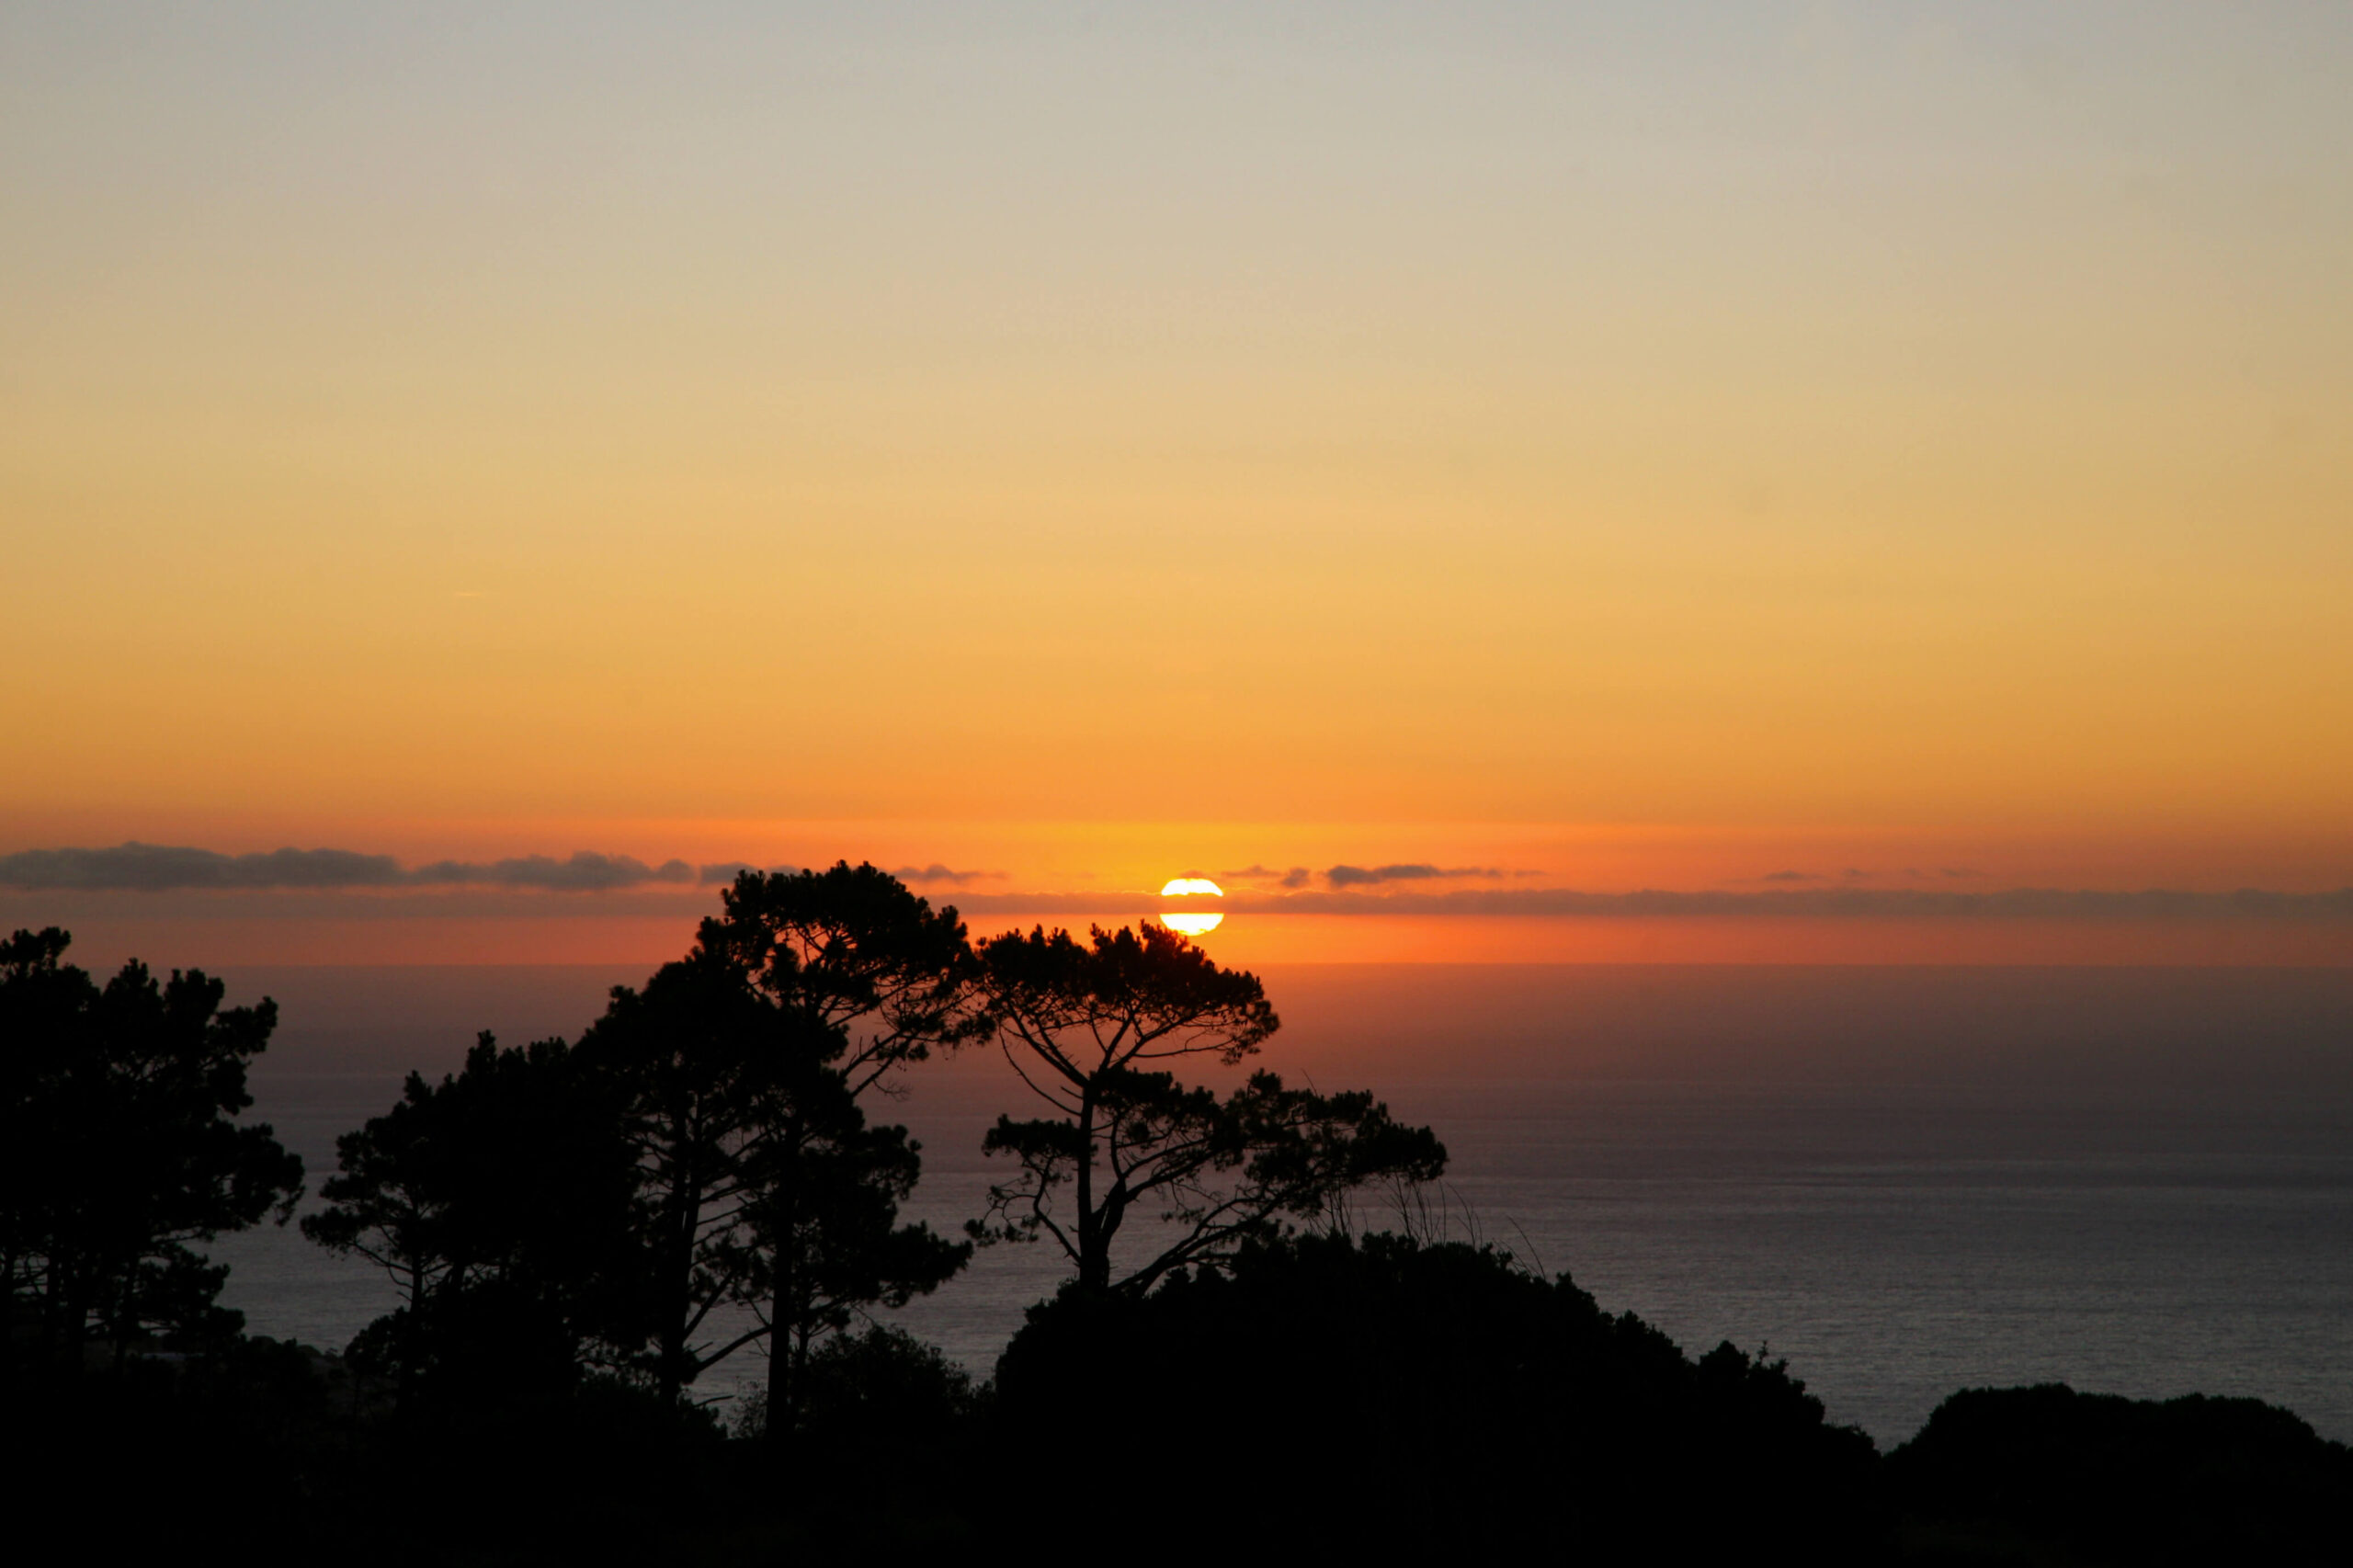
1348	875
722	873
1297	877
936	873
1845	903
1820	903
1350	889
584	872
154	868
1371	876
158	867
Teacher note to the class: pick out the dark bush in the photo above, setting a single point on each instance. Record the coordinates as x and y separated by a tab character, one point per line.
1382	1395
2000	1473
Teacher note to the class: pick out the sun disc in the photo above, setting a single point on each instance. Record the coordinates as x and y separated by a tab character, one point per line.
1179	887
1192	924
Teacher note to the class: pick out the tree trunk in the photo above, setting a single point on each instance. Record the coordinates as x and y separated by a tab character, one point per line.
787	1335
788	1381
122	1311
686	1208
411	1335
1094	1245
678	1287
69	1310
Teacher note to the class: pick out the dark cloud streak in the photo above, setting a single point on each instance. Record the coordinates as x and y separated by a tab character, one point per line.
151	868
136	868
722	873
156	867
584	872
1256	871
936	873
1831	903
1370	876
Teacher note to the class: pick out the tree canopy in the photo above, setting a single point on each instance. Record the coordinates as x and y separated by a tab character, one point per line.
119	1146
853	949
760	1184
694	1178
499	1202
1084	1024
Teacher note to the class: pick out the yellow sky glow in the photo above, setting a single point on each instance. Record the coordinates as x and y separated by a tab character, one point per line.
1596	454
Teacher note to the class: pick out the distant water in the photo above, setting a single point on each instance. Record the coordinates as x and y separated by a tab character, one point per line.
1906	1181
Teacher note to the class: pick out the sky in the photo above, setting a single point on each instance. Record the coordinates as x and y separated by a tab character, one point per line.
1844	464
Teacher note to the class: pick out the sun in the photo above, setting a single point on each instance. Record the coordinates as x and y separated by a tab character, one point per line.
1191	922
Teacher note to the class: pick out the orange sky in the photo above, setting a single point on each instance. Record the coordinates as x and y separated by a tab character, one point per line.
1662	451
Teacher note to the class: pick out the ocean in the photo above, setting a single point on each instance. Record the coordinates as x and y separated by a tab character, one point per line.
1904	1180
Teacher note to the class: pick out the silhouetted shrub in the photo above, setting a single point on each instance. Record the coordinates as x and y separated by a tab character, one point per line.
2095	1478
1381	1395
877	1385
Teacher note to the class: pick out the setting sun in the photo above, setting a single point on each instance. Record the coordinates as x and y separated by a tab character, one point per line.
1191	922
1180	887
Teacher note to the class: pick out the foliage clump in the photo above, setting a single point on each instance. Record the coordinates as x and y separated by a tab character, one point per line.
1456	1400
121	1150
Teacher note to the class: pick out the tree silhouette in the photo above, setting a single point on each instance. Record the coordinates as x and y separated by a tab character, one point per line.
858	958
854	949
1081	1024
692	1057
822	1240
498	1202
759	1183
116	1129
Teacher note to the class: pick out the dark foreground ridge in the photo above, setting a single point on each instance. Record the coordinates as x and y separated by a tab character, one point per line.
1318	1399
578	1232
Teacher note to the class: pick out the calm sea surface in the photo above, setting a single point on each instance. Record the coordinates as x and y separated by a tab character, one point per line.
1905	1181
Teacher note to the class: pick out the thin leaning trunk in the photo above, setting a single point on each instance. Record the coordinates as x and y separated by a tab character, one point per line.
681	1293
1094	1245
789	1329
788	1340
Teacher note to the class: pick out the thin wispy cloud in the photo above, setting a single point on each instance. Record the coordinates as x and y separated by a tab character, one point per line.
936	873
1399	889
1822	902
1295	876
720	873
585	871
154	868
1417	872
1801	902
